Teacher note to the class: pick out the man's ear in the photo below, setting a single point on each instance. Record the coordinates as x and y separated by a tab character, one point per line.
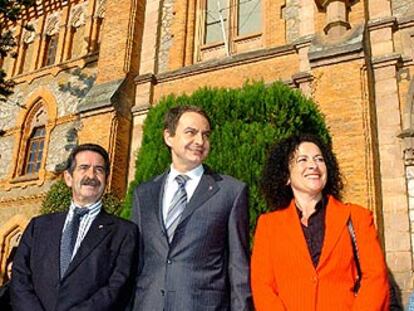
167	138
68	178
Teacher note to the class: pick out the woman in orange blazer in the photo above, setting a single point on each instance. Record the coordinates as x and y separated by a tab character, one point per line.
303	256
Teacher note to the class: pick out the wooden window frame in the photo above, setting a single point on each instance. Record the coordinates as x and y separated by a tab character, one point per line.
235	43
31	149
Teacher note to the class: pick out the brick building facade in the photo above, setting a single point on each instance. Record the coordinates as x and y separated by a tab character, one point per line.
115	59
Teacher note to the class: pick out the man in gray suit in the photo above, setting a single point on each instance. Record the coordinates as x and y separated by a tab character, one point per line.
193	228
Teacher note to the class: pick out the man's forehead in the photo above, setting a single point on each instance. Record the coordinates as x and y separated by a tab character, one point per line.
194	120
88	156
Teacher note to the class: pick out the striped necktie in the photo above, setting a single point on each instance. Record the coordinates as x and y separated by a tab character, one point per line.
177	206
69	236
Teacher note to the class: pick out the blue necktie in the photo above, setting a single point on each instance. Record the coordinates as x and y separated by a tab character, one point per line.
177	206
69	236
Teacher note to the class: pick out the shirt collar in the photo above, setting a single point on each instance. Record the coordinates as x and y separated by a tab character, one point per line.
91	207
193	174
318	207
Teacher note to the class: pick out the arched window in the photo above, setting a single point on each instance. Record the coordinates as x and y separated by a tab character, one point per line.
32	150
34	153
50	49
76	41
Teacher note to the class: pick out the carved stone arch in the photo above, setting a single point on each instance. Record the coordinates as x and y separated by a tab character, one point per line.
52	26
77	16
48	99
10	234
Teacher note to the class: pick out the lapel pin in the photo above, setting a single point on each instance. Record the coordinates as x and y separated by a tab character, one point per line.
100	226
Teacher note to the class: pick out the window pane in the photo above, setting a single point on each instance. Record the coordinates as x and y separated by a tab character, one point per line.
213	31
249	17
50	50
35	150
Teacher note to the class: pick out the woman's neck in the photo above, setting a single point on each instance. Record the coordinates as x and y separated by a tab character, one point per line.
307	205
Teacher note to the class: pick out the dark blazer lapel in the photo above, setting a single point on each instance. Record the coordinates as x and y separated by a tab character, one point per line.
336	218
204	191
157	191
290	224
52	238
100	228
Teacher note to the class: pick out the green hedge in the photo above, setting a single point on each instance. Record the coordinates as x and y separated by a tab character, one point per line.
59	197
245	122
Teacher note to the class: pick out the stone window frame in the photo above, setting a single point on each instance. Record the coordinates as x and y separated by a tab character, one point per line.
42	99
77	21
235	43
27	42
99	17
51	41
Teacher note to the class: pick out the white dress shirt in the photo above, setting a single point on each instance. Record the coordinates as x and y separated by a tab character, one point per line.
85	222
171	186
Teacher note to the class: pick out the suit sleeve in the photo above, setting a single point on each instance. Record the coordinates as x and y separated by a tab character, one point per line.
263	281
22	294
238	228
374	291
119	288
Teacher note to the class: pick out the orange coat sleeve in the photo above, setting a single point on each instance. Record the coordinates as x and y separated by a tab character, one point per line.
374	291
264	285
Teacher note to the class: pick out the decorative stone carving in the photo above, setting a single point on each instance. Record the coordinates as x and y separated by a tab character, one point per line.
52	26
100	11
78	16
29	35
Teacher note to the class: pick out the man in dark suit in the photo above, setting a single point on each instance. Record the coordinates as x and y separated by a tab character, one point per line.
193	228
82	260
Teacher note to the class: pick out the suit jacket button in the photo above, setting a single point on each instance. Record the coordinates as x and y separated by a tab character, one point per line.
169	261
162	292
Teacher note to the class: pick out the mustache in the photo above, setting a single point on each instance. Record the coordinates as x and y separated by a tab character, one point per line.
90	182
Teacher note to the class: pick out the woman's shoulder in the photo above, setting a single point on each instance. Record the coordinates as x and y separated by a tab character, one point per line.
359	211
272	216
355	209
361	217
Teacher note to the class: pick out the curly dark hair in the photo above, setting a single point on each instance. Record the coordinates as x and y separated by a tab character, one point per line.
276	171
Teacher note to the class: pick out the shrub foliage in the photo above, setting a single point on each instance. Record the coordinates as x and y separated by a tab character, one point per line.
59	197
245	123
